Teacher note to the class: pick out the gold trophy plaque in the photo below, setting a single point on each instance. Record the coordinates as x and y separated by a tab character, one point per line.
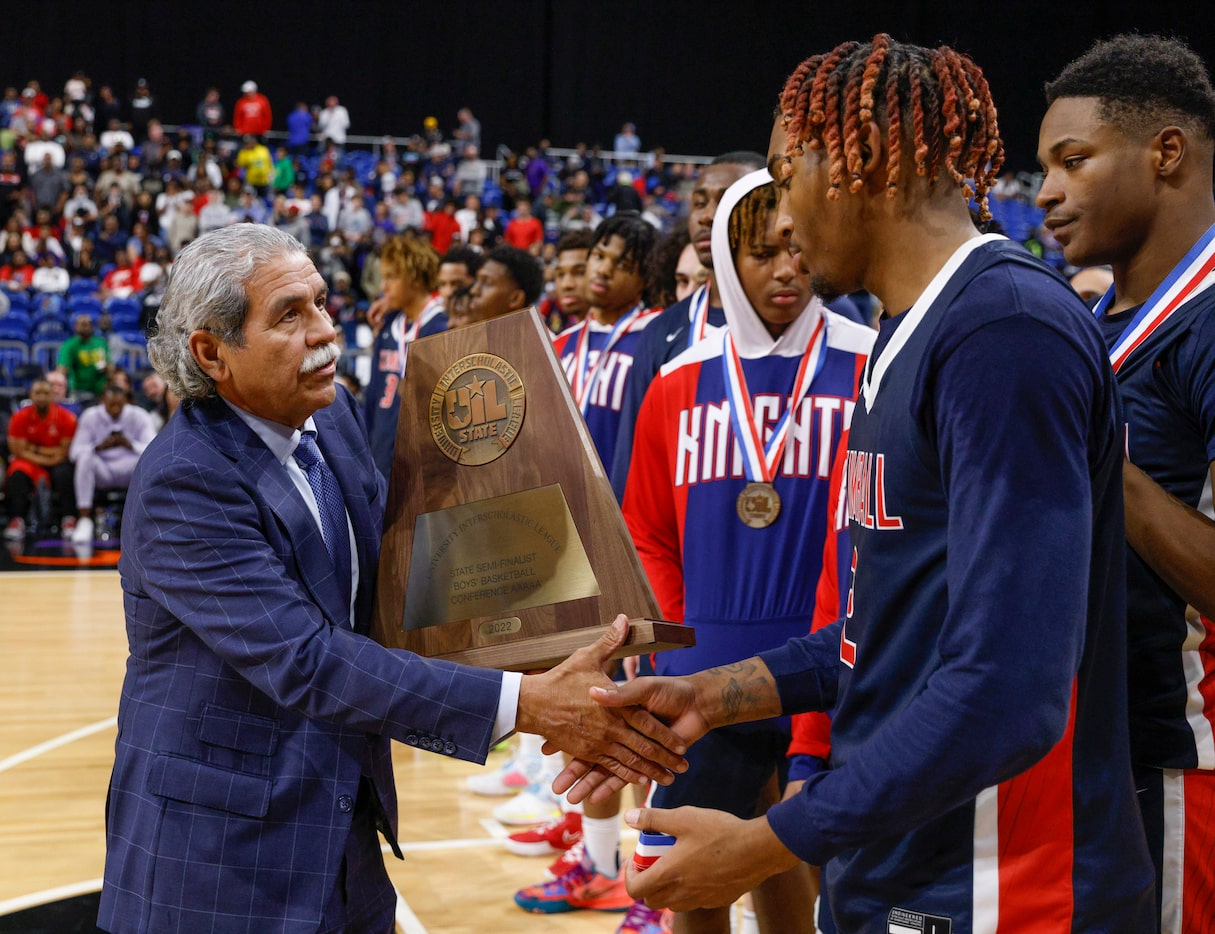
503	543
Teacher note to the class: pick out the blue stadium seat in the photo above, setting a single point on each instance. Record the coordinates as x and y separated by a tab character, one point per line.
51	329
45	353
83	286
84	305
131	352
14	355
14	329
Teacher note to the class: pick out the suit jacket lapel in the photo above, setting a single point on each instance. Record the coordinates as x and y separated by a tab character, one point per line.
279	492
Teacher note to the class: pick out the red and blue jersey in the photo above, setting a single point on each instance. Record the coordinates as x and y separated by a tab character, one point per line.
1168	391
382	403
604	382
742	588
980	765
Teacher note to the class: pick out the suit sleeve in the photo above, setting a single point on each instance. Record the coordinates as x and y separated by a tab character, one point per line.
649	504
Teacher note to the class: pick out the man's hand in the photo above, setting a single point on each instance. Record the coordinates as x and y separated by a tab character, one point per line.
623	741
691	705
376	312
716	858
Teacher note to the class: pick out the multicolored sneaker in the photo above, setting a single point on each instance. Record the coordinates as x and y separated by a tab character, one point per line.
581	888
515	774
643	920
566	861
556	836
536	805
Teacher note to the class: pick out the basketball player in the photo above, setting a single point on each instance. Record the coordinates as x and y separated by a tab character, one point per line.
729	477
597	354
688	320
1127	144
980	770
409	272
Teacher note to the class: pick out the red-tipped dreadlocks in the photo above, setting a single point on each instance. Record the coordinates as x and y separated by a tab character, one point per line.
936	101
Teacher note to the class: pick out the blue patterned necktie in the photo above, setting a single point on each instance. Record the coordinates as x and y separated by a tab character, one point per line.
331	506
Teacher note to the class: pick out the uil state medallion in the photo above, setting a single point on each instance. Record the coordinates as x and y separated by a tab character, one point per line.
476	409
758	505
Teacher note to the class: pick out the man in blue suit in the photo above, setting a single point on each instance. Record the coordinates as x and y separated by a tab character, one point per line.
253	761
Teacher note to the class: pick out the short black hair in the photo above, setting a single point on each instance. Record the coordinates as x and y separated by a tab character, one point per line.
1143	83
462	255
664	259
744	157
574	240
523	268
639	236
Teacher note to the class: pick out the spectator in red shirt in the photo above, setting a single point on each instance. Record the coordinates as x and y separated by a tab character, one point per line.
39	436
524	232
123	280
442	226
251	115
18	274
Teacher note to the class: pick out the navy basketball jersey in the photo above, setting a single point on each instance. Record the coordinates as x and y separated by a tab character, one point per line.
382	403
979	773
1168	391
604	383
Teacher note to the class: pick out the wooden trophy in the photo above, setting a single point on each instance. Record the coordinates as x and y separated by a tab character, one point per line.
503	543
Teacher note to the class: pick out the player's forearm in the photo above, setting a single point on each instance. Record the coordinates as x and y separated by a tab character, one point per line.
736	693
1177	542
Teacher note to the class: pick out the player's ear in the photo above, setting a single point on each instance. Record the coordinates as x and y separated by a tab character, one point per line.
873	149
1168	150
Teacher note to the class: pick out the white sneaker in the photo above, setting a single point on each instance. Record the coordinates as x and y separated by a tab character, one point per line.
534	806
83	533
516	774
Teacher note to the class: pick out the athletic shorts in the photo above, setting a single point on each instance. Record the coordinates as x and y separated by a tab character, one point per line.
728	769
1178	807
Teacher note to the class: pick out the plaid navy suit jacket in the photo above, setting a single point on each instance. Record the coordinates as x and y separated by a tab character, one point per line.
250	709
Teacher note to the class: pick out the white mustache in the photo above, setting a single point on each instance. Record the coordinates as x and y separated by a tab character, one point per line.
321	357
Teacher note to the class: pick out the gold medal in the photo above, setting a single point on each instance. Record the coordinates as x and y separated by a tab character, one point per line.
758	505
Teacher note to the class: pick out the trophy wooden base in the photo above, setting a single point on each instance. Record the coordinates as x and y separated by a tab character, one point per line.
544	652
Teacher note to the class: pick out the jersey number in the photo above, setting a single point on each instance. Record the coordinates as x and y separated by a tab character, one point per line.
390	390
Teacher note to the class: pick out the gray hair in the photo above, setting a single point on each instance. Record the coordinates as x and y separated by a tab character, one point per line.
208	290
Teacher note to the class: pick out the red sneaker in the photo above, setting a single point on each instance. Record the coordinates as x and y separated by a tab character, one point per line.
554	837
566	861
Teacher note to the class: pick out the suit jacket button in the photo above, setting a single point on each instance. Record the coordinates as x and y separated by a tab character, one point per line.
411	740
345	804
450	749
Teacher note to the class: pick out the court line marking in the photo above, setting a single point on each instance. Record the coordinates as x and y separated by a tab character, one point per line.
22	902
51	744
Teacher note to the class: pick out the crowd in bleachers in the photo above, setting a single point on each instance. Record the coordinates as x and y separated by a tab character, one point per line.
98	195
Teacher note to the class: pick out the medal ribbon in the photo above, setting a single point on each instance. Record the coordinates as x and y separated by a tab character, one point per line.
698	320
1184	282
760	460
584	381
410	334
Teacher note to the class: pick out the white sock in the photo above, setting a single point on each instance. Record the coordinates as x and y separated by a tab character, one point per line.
749	925
601	837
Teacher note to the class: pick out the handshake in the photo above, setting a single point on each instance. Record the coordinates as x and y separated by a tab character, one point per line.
641	730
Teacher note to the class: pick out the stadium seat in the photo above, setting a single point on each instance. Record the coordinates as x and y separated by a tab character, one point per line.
45	353
14	356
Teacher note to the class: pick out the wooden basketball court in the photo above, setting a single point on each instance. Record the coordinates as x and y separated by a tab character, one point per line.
63	647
